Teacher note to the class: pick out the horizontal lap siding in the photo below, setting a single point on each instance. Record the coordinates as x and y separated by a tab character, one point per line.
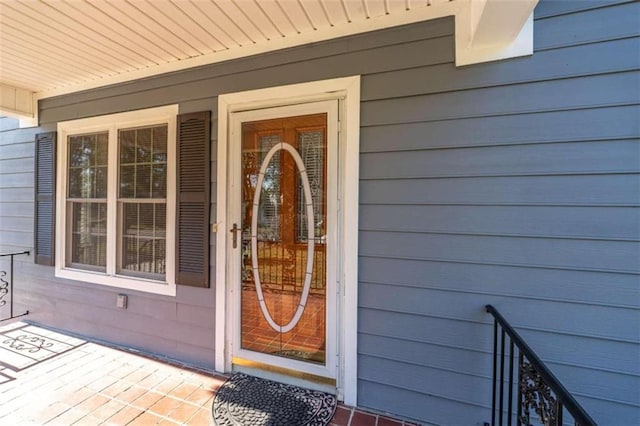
16	186
602	157
579	125
8	123
592	91
513	183
493	220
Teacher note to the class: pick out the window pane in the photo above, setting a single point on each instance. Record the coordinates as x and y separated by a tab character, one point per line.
269	210
77	155
143	162
87	178
159	181
101	149
75	183
130	219
160	250
127	150
143	175
89	182
143	181
127	181
143	242
311	147
159	144
145	220
87	174
143	143
88	235
100	182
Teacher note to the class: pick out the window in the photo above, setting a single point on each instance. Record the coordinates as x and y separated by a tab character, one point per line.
142	201
116	200
87	200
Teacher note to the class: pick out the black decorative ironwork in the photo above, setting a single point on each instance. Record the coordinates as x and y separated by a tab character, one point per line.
539	392
536	396
6	287
31	344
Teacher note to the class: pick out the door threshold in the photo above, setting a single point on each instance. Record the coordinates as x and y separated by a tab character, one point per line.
284	375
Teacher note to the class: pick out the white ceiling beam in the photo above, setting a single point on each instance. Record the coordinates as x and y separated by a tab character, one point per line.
490	30
17	102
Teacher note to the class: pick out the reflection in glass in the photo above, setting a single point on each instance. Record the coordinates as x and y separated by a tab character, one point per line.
87	192
269	211
127	142
281	248
143	162
143	181
143	176
312	149
143	249
143	145
159	180
87	169
89	235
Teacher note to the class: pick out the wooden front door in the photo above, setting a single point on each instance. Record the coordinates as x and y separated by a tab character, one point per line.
285	238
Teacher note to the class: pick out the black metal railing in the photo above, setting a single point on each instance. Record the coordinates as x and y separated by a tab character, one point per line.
538	391
6	286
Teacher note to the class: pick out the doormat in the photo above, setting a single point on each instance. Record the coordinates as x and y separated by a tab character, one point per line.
251	401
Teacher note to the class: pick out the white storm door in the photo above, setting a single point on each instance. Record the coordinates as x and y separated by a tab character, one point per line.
283	249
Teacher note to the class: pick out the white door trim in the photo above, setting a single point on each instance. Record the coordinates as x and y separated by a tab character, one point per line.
347	90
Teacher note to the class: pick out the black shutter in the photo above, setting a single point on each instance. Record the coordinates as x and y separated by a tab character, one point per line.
192	239
45	188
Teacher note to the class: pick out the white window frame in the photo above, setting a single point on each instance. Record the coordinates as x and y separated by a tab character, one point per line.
112	123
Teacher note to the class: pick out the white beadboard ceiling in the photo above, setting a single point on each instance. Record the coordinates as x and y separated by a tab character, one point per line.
51	47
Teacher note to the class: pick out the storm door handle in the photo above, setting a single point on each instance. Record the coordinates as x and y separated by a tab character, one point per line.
234	231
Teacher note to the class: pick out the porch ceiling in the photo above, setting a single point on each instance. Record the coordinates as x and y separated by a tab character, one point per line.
52	47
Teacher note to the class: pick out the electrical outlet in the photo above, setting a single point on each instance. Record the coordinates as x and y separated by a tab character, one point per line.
121	301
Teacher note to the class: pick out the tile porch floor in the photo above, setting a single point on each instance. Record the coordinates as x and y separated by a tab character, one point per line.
48	378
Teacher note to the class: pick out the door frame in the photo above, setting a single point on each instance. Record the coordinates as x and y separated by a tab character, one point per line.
347	92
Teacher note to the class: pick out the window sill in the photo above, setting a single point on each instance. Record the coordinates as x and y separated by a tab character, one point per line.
121	282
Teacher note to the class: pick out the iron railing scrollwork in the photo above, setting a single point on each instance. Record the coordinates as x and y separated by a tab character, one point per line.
536	396
540	395
6	285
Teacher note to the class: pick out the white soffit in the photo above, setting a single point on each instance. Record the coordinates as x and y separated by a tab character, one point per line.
55	47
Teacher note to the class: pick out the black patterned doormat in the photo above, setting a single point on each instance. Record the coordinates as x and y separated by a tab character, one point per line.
250	401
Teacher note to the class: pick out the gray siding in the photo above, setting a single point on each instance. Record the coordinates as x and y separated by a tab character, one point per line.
16	186
513	183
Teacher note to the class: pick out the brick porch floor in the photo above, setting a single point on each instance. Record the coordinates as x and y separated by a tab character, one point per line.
56	379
